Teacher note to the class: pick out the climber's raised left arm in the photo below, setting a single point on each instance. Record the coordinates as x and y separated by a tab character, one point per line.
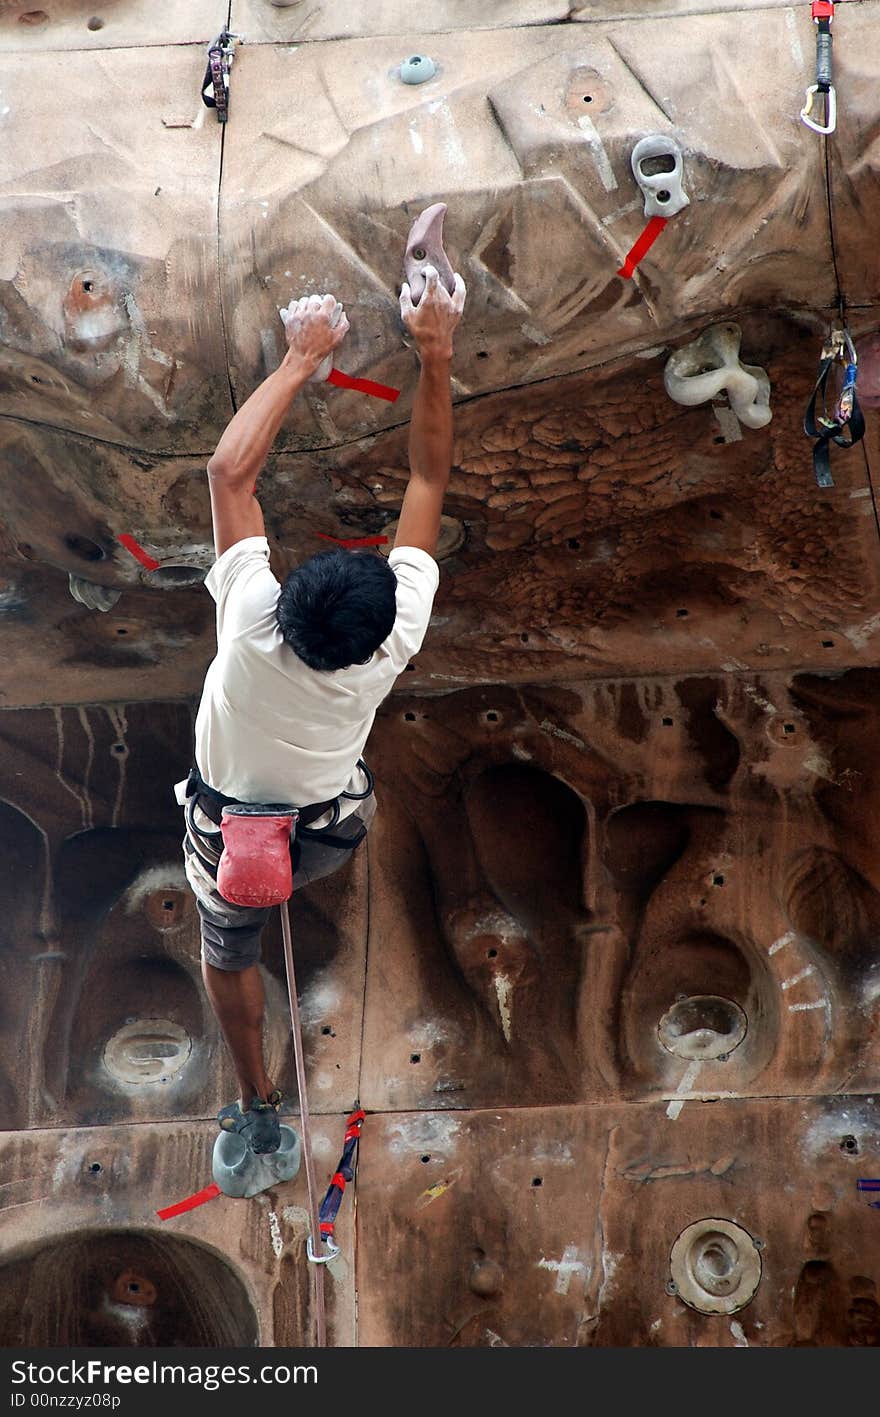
315	326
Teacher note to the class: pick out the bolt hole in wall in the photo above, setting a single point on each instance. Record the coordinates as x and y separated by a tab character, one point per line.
425	1160
667	722
537	1180
409	717
415	1057
95	1168
718	880
827	644
850	1145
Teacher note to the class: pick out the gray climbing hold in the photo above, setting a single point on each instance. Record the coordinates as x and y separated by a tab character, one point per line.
93	597
240	1172
658	168
418	69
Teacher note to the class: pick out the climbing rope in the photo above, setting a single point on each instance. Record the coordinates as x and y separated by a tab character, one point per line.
314	1244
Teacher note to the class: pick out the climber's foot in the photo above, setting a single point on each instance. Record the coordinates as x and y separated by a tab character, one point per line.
258	1123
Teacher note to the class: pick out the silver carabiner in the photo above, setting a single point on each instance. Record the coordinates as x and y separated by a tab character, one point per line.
322	1259
830	109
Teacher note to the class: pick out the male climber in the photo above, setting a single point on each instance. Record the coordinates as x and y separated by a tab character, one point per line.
301	667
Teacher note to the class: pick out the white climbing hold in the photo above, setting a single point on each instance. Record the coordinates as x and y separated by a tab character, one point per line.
710	364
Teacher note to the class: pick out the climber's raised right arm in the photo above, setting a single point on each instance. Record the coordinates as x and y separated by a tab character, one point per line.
314	326
432	322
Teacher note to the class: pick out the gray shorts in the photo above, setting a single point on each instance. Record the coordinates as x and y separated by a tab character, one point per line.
231	933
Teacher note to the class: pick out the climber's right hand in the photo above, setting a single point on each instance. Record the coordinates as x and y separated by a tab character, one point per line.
315	325
432	322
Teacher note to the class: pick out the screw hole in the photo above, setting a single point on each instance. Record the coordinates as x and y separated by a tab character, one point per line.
827	644
667	722
95	1167
718	880
425	1159
788	728
537	1180
850	1145
491	954
482	354
410	717
88	286
118	748
326	1030
168	905
588	98
663	195
419	252
491	716
415	1057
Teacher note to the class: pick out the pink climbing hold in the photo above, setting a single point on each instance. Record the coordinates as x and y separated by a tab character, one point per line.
424	247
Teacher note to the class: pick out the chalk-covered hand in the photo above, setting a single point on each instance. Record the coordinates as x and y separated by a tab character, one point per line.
315	326
432	322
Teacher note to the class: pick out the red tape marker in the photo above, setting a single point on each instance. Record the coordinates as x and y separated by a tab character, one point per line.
642	246
138	552
190	1203
363	386
349	542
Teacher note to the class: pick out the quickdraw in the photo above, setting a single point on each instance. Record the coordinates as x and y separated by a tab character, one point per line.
848	424
341	1177
822	12
215	85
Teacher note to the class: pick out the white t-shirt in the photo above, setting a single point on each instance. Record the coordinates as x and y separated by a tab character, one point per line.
269	728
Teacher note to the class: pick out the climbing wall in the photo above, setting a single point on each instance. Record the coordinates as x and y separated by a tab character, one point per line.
605	975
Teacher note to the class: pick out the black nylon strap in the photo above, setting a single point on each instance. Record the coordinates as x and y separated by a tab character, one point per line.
827	430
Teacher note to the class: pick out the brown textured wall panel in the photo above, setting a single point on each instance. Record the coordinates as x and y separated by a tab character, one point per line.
604	976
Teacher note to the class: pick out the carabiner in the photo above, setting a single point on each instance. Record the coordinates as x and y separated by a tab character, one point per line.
322	1259
830	109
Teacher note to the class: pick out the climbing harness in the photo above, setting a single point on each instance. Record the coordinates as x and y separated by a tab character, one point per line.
848	417
208	845
215	85
822	12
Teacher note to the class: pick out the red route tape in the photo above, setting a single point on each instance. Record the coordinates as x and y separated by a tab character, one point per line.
138	552
363	386
190	1203
642	246
351	541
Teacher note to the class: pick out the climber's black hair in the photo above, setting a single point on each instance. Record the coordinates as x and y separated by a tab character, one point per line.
337	608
